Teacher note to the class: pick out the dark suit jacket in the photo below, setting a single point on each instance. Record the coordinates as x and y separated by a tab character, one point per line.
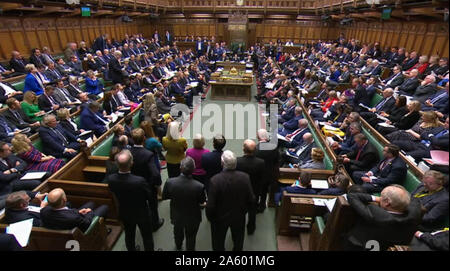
271	162
254	167
18	66
375	223
115	71
45	104
211	163
361	96
13	216
436	205
186	195
229	198
409	86
366	160
52	143
144	166
3	97
397	113
422	93
9	243
387	106
11	118
407	121
89	121
65	219
6	179
53	75
398	80
132	193
394	172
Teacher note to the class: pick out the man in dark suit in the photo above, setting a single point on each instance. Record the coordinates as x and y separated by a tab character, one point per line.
91	119
254	167
386	105
36	58
8	91
12	168
291	125
187	197
363	158
230	197
409	86
9	243
145	167
434	199
18	63
169	38
100	43
426	89
289	113
211	161
437	102
115	69
270	154
15	115
57	216
391	170
411	61
294	139
17	207
53	74
46	101
300	154
134	195
56	141
395	80
392	221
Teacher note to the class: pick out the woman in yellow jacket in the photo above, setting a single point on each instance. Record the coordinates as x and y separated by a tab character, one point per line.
176	146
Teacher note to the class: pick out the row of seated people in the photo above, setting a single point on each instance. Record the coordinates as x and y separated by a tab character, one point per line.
339	114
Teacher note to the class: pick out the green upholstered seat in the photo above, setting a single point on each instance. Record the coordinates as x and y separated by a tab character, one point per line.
375	99
19	85
93	224
374	142
136	121
77	120
104	148
38	144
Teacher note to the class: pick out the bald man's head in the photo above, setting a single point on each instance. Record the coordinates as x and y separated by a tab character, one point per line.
124	160
307	138
57	198
395	198
249	146
302	123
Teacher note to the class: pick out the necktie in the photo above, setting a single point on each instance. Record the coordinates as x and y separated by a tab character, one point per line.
61	136
56	73
301	149
6	126
380	105
2	69
383	165
359	153
296	132
66	95
50	98
18	117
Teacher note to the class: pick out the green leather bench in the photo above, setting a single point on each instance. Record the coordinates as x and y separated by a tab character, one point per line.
19	85
375	99
104	148
38	144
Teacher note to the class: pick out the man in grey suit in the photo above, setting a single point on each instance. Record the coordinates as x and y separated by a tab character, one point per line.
187	198
63	96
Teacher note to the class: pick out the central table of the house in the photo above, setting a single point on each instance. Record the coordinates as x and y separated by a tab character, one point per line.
231	82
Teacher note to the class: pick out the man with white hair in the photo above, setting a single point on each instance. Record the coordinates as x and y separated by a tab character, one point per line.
409	85
426	89
230	197
392	221
115	69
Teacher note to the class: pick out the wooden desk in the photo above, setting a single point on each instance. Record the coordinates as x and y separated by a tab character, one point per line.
291	49
227	65
184	45
231	91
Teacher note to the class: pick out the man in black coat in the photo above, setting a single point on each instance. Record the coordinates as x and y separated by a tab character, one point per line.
15	115
134	195
434	199
254	167
363	158
211	162
409	86
57	216
391	170
115	69
230	197
269	153
17	204
387	104
395	80
187	197
12	168
145	167
392	222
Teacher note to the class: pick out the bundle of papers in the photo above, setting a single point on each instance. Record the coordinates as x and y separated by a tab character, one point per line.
21	230
319	184
33	175
438	158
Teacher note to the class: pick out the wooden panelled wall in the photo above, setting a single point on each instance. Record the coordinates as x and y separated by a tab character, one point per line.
425	38
55	33
306	32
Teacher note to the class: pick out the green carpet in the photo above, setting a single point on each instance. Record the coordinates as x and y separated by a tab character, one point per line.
264	238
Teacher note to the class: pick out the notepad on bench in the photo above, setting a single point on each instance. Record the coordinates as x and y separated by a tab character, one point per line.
21	230
386	125
319	184
85	133
33	175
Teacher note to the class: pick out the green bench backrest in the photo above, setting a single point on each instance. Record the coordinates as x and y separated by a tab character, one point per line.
19	85
104	148
326	160
77	120
374	142
375	99
136	121
38	144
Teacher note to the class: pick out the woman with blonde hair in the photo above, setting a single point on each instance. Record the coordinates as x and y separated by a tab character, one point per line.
316	162
151	115
175	145
404	121
30	107
428	124
36	161
196	153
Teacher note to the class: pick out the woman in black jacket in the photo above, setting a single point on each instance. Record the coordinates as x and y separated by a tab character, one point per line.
399	110
401	120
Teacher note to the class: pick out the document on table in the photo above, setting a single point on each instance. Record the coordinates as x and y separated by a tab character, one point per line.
383	124
21	230
33	175
319	184
89	141
438	158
